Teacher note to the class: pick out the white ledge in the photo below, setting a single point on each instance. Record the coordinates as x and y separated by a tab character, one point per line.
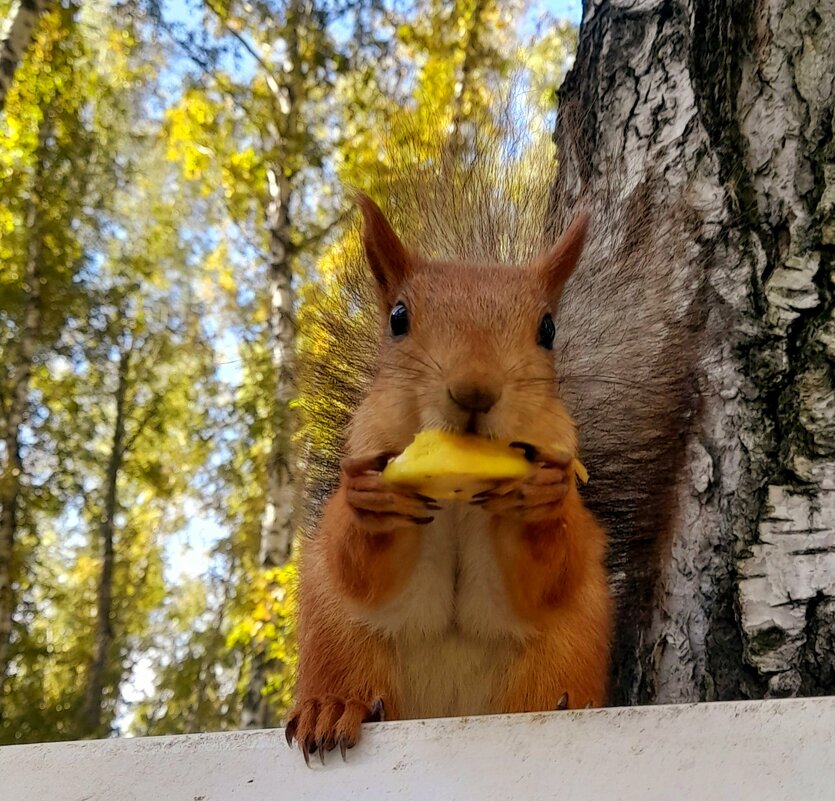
749	750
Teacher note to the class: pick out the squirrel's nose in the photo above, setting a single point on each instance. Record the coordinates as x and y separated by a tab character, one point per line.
474	398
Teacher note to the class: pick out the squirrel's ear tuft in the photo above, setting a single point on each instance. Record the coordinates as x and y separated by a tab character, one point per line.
388	259
556	264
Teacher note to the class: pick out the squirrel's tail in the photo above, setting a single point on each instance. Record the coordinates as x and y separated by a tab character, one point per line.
631	320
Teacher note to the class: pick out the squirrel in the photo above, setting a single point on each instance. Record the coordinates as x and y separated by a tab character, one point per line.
413	608
627	328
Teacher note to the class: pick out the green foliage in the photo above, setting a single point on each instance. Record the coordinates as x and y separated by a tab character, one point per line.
45	172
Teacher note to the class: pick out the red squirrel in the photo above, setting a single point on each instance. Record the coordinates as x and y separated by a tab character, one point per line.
412	608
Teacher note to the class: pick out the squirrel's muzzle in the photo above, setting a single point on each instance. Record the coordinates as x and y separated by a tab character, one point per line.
474	397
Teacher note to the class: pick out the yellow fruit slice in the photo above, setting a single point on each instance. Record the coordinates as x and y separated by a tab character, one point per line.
448	466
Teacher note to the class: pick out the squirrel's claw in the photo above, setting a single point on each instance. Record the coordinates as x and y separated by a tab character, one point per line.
322	725
537	498
290	731
553	457
378	711
562	703
381	508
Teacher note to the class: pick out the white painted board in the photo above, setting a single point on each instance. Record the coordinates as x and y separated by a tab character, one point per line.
757	751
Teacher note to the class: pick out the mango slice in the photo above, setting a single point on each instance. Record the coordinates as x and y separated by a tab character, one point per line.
448	466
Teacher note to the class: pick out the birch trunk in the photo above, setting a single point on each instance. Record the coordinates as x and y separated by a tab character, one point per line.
736	102
16	32
94	693
277	523
277	526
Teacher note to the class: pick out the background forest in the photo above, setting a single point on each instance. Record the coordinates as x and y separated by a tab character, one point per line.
171	188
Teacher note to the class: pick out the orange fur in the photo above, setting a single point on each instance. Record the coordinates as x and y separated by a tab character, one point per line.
343	666
501	606
366	568
555	578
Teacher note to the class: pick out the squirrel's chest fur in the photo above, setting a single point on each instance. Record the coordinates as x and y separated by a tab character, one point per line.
452	629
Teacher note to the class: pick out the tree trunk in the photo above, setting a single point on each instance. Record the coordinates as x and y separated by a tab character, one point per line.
278	522
15	34
94	692
14	415
463	85
733	102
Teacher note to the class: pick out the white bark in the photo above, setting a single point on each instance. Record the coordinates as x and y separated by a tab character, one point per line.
16	32
736	104
786	592
278	522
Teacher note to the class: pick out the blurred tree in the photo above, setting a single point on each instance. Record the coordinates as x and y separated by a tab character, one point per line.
270	133
45	172
104	389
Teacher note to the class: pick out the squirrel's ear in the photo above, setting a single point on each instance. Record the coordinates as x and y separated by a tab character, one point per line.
556	264
388	259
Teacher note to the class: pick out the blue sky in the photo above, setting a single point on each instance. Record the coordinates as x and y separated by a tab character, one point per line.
572	10
184	11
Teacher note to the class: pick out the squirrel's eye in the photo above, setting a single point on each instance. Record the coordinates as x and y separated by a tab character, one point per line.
547	332
399	320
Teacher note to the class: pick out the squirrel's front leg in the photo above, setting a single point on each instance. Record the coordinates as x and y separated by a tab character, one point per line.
379	507
361	557
538	498
551	553
374	541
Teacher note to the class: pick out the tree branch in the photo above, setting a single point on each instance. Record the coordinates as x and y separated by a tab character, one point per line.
268	70
319	234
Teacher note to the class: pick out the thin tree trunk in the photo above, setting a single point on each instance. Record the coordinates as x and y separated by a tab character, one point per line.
277	523
15	34
463	85
11	480
735	103
279	514
94	693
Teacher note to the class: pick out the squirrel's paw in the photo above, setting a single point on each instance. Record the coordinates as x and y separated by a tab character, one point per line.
322	724
381	507
534	499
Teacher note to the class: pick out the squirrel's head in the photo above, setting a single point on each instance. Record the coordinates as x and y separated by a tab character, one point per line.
467	347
